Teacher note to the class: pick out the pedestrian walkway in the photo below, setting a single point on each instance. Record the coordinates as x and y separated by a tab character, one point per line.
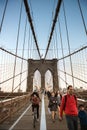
57	125
24	120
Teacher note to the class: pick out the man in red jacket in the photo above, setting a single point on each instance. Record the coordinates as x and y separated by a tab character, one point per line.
69	106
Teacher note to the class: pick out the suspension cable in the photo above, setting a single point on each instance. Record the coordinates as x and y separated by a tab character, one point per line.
23	52
53	26
12	77
62	49
82	17
63	80
14	89
57	51
17	43
31	24
74	76
56	43
12	53
28	41
3	15
54	47
68	42
73	52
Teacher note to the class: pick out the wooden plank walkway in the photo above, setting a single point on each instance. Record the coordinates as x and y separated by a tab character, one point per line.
26	122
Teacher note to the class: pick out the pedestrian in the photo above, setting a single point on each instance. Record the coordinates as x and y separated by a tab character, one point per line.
69	106
53	105
35	100
59	98
83	117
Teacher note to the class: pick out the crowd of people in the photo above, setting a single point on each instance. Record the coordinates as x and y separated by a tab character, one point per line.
59	104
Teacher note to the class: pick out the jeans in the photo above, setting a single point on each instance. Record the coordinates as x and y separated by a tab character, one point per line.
36	106
72	122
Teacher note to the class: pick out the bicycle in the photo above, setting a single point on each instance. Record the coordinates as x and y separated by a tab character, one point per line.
34	117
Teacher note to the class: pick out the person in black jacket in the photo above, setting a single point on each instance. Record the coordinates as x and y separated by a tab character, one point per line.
35	100
53	105
83	117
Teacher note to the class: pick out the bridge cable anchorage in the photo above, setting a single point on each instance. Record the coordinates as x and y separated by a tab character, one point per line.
3	15
53	25
31	24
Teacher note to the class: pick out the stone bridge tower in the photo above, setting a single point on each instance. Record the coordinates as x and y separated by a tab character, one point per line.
42	66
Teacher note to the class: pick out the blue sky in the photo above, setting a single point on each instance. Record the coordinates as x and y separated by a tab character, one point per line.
42	12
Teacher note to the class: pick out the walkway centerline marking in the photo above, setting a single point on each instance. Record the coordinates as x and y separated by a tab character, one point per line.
43	116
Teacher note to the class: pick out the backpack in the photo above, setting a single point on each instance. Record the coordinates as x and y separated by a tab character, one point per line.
66	101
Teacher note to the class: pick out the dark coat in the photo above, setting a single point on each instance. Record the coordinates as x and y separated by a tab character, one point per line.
53	103
83	117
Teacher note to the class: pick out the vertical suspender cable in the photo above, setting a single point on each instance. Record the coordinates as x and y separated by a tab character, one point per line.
31	47
28	41
62	51
17	45
56	44
31	24
23	52
68	43
3	15
54	47
57	54
82	17
53	25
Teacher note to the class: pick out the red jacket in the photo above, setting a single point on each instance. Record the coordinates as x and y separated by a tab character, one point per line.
70	107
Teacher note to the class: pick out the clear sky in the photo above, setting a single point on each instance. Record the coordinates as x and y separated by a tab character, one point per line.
42	12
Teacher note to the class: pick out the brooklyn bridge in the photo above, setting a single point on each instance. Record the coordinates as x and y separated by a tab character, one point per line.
43	47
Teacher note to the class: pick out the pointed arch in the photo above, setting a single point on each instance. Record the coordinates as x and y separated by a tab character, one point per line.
36	80
48	80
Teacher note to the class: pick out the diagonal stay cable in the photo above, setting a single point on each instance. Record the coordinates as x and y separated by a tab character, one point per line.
82	48
84	24
31	25
3	15
12	53
13	90
53	25
74	77
12	77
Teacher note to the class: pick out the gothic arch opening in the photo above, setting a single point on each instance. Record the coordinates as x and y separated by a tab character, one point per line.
47	69
36	80
48	80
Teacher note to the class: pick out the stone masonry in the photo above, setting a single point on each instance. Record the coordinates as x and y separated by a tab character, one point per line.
42	66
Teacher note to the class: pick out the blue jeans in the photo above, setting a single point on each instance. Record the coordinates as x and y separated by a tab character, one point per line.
72	122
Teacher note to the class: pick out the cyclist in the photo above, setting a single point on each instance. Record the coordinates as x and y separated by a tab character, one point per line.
35	99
